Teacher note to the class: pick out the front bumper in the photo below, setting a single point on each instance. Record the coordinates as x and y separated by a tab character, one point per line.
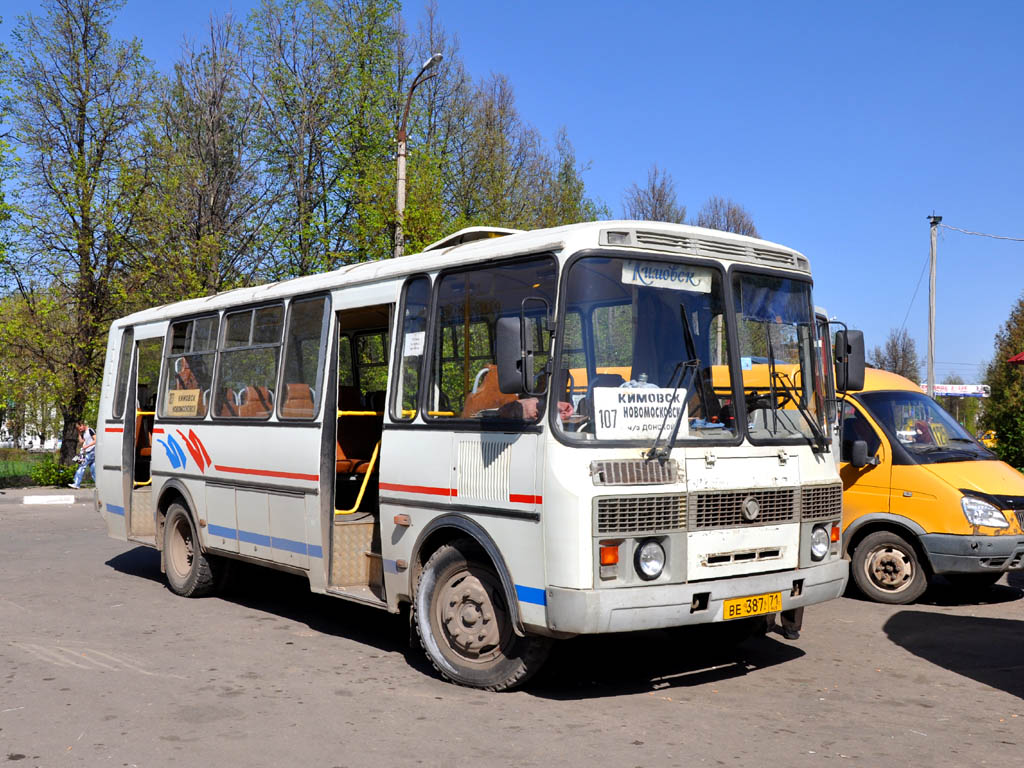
591	611
949	553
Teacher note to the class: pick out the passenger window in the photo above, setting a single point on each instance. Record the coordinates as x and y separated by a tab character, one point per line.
123	367
188	368
372	368
346	378
248	365
465	372
856	427
303	358
412	344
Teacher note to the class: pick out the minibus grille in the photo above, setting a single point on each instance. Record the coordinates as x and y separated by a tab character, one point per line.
725	509
634	472
640	514
819	502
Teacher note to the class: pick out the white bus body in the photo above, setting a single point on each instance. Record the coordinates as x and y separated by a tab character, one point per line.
505	519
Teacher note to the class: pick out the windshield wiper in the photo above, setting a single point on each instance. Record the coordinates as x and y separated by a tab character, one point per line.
819	437
684	368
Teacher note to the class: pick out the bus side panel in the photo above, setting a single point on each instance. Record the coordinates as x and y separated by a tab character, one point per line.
109	488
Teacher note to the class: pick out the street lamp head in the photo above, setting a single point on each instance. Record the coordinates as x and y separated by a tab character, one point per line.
432	61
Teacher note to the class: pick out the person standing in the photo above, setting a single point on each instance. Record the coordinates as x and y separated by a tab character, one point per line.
88	454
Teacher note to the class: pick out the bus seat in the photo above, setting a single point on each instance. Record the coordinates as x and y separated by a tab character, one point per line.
229	403
298	401
585	407
487	395
184	378
255	403
357	435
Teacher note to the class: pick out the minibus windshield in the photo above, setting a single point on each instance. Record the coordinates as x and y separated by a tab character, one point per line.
782	380
927	432
644	343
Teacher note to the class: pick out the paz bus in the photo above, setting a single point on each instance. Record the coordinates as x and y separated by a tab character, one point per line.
521	436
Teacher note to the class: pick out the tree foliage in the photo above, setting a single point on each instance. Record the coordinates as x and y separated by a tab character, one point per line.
898	355
726	215
1004	409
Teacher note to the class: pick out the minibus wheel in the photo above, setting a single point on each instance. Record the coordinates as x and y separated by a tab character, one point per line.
886	569
463	622
190	572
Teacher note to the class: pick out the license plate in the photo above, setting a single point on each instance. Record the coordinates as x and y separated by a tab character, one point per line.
755	605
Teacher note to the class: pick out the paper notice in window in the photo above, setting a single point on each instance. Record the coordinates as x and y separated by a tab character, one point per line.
414	343
637	414
182	403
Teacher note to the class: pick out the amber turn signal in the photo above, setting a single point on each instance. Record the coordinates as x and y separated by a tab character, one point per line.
609	554
835	533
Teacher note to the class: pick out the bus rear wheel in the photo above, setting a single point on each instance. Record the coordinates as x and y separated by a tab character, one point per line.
886	569
190	572
464	625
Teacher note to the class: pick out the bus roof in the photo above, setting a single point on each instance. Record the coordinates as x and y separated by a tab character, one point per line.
677	239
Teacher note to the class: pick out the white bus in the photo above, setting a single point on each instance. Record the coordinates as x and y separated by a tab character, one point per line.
522	436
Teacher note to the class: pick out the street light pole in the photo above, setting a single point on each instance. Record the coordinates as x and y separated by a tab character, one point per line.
402	138
931	307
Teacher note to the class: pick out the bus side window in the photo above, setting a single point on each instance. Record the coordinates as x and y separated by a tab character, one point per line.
188	368
306	340
123	366
411	346
248	363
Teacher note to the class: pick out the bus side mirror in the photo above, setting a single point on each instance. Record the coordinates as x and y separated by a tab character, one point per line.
849	360
515	356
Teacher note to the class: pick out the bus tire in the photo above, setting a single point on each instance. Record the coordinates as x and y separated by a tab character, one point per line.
190	572
463	622
886	569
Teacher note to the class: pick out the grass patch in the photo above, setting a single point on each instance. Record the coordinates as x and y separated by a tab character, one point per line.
16	467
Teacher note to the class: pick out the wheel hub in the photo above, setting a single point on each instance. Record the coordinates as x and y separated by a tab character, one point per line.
468	616
890	569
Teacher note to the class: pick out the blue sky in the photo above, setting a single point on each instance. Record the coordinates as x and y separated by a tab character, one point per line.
840	127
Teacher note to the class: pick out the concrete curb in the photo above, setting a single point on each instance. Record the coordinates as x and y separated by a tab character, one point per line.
62	499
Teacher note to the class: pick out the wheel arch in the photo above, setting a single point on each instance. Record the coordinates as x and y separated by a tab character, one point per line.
903	526
172	491
449	527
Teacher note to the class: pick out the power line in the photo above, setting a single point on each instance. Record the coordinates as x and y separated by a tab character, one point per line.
983	234
920	277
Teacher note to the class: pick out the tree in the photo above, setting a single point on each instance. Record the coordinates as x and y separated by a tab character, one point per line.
899	355
1004	409
726	216
80	103
656	201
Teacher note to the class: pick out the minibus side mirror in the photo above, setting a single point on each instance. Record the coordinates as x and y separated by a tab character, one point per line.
515	356
859	455
849	360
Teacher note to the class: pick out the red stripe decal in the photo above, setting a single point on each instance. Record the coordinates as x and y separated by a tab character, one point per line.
268	473
113	429
158	430
520	498
419	489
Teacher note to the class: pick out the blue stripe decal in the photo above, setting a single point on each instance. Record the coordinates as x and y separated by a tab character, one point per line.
115	510
390	566
254	538
288	545
531	595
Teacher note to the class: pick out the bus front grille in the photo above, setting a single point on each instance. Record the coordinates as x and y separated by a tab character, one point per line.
819	502
640	514
729	509
634	472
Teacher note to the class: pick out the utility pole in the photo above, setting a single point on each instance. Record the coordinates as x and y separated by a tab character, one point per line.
931	307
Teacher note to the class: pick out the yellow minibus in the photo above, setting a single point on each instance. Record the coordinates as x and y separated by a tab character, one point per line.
921	497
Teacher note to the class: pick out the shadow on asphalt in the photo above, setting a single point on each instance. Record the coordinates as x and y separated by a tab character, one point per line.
983	649
141	561
941	593
597	666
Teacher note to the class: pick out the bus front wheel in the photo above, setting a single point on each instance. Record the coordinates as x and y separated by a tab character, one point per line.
463	622
190	572
886	569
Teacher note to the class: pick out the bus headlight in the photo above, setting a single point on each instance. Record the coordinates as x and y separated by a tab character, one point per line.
980	512
819	542
649	560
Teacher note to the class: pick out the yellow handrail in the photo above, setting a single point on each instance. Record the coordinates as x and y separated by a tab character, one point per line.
139	485
360	413
145	413
362	488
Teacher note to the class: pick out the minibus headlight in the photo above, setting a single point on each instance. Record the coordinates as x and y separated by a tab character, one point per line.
980	512
649	560
819	542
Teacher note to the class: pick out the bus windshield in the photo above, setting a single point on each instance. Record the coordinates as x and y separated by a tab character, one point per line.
781	368
644	345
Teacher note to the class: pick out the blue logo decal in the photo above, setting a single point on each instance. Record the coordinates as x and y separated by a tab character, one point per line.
175	454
